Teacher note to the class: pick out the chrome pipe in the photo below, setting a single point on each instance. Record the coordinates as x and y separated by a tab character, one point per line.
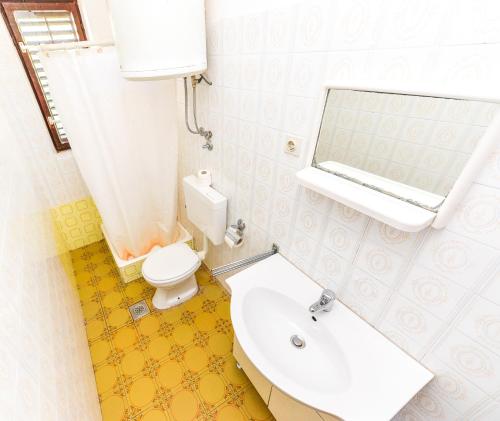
244	262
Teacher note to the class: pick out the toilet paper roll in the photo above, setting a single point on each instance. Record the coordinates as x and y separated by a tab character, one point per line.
233	239
204	178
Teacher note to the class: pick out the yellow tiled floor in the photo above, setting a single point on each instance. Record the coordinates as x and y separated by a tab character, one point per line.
171	365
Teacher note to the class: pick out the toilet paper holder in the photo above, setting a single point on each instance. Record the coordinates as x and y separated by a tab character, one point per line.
239	227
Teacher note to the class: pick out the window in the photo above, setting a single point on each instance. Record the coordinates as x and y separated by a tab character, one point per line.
43	22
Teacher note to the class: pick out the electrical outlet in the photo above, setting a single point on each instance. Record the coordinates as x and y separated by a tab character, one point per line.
292	146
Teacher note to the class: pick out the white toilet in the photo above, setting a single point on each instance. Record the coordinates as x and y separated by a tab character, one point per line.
171	269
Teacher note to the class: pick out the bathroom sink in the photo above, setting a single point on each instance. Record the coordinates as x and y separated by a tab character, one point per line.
272	319
335	362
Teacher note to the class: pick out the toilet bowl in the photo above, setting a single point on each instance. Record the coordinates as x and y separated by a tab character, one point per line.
171	271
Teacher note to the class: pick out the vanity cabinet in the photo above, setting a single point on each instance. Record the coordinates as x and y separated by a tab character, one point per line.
282	406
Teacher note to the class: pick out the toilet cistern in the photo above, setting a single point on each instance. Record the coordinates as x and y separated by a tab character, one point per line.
325	302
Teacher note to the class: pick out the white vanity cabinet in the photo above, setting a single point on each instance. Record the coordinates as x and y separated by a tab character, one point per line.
282	406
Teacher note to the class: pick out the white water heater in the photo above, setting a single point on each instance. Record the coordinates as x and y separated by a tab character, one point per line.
159	39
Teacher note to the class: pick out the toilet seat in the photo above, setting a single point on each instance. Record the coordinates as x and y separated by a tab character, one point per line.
170	264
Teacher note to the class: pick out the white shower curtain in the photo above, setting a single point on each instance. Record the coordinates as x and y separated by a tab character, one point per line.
124	138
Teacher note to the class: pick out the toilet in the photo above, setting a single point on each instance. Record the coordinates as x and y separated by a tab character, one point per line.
171	269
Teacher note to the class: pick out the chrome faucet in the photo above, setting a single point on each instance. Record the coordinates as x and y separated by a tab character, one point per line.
325	302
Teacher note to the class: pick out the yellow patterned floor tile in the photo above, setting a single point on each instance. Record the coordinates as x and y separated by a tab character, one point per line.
220	344
159	347
113	408
132	362
105	378
125	337
185	406
154	415
170	365
254	405
142	392
229	413
149	325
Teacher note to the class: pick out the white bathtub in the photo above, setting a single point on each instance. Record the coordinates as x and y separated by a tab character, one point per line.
131	269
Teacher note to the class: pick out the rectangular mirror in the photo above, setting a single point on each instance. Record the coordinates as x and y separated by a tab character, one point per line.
409	146
404	158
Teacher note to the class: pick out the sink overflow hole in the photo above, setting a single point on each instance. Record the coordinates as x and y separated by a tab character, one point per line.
297	341
314	318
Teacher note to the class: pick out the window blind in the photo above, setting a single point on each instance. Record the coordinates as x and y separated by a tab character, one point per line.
46	27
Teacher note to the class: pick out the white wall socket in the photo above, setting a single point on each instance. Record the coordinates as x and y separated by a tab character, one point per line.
292	146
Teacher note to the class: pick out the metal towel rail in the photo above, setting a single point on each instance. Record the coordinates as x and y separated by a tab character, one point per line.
244	262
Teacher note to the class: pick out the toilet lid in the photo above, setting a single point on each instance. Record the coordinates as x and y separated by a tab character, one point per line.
170	263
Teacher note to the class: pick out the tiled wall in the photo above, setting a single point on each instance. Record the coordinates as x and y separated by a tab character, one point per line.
45	367
78	223
435	293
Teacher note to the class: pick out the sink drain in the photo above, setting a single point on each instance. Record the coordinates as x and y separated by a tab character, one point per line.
297	341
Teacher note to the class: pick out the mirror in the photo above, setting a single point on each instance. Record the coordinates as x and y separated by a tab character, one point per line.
408	146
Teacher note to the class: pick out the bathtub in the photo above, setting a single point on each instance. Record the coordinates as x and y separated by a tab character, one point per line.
130	270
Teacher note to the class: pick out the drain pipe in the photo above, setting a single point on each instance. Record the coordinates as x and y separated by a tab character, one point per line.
203	252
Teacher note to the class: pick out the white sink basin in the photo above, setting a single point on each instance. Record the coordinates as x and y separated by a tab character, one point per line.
346	368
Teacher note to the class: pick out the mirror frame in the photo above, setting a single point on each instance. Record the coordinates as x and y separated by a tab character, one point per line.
384	207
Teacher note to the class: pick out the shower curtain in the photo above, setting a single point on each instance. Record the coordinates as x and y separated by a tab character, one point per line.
124	139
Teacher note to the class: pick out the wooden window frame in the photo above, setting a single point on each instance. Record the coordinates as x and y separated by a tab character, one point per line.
8	7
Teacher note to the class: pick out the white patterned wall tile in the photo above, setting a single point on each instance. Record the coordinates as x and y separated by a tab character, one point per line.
274	73
310	221
231	35
216	99
319	202
479	365
249	106
457	258
406	343
286	182
231	67
380	262
417	23
228	101
452	387
408	414
473	22
271	110
490	175
267	143
250	71
312	27
306	75
412	321
356	304
340	239
490	412
436	294
431	408
253	33
369	291
298	115
302	245
349	217
280	29
399	241
331	267
478	216
481	322
491	291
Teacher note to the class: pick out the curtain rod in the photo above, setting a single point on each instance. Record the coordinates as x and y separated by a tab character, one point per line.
66	46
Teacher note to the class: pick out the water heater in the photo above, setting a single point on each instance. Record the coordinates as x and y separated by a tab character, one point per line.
159	39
